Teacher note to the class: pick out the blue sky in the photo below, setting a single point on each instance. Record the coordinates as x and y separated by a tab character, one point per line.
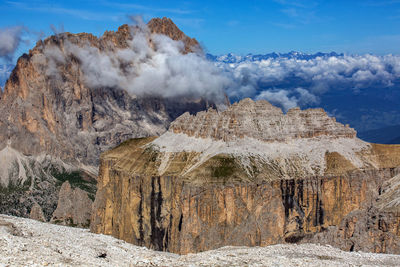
252	26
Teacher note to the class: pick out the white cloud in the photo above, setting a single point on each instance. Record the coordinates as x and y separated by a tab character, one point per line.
288	99
278	80
161	69
10	39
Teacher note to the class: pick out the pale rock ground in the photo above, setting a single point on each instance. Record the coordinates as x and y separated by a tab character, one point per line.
25	242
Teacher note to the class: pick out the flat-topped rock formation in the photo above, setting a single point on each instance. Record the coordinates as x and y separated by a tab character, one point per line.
262	121
261	136
251	176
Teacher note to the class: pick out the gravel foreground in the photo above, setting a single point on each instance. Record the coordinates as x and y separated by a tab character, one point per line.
25	242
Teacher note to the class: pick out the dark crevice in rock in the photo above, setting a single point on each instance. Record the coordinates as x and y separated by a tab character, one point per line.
180	223
157	232
140	221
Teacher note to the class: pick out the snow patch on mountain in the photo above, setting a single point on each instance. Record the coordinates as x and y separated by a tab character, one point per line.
310	151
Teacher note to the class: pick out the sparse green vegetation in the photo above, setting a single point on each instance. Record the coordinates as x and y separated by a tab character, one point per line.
75	179
70	222
153	153
14	188
224	167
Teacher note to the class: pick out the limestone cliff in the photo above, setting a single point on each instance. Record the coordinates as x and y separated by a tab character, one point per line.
54	123
252	176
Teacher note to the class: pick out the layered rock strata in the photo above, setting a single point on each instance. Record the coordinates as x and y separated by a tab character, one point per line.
251	176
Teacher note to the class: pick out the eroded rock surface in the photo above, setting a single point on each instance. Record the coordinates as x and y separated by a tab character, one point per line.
37	213
249	176
73	208
248	119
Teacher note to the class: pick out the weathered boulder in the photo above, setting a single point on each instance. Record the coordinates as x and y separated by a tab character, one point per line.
37	213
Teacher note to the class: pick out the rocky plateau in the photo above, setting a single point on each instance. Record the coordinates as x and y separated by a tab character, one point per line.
251	176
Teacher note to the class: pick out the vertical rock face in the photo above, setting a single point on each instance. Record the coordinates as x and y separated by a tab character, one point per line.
249	176
51	118
73	208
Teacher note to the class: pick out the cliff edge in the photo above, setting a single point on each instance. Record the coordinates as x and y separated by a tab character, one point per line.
250	175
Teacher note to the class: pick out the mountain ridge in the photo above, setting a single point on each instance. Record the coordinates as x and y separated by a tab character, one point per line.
233	58
60	123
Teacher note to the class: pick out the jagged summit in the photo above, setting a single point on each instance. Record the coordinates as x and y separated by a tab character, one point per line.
167	27
120	38
67	99
262	121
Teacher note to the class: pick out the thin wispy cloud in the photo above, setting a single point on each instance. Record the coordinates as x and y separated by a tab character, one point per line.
232	23
10	40
137	7
299	12
82	14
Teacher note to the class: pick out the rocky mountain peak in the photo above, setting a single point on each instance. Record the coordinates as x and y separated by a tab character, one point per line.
167	27
67	101
262	121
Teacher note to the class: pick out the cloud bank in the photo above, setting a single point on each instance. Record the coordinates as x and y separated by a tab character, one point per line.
160	68
291	82
10	39
143	68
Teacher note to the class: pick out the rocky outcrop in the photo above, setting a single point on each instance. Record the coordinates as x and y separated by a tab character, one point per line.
247	118
37	213
166	27
362	229
53	116
248	176
74	207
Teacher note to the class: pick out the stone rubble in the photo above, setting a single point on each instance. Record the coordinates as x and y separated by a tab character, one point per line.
25	242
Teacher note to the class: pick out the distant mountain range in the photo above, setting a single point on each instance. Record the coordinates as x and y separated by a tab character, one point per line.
232	58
